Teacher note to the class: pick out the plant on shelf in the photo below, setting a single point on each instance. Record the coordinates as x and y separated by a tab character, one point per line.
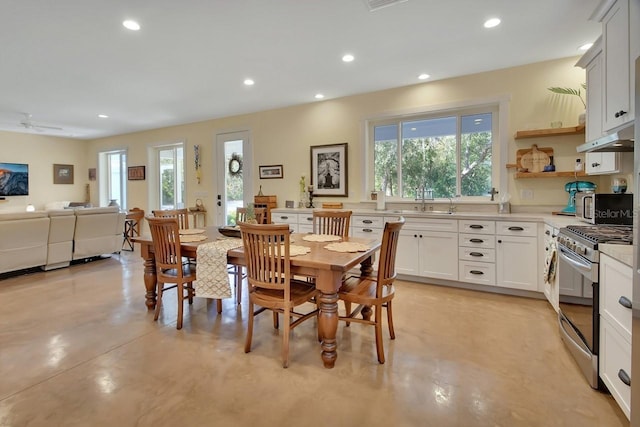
570	91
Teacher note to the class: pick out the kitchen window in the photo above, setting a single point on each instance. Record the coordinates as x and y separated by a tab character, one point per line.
442	153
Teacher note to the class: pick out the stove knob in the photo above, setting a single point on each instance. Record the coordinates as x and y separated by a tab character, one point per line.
581	249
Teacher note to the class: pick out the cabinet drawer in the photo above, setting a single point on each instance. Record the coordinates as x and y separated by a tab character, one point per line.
477	227
477	254
616	283
367	232
476	240
431	224
305	219
615	360
477	272
361	221
510	228
280	218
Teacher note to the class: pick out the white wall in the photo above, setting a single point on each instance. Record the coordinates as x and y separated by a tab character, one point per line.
283	136
41	153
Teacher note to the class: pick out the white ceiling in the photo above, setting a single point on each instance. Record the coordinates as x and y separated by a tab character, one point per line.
66	61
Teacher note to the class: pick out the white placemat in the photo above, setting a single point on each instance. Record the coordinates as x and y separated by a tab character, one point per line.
347	247
321	238
185	231
295	250
192	238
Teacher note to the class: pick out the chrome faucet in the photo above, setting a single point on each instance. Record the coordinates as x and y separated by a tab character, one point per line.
421	190
452	208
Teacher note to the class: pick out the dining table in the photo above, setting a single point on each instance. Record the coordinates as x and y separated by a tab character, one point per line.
327	267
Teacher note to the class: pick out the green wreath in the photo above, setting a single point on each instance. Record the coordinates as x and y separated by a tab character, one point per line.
235	165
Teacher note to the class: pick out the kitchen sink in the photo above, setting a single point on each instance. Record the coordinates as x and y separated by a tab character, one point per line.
418	212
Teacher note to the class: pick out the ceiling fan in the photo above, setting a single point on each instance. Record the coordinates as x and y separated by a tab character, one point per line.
28	124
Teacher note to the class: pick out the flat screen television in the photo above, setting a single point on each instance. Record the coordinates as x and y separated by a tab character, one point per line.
14	179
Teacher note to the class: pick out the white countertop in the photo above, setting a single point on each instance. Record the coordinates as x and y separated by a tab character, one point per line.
623	253
558	221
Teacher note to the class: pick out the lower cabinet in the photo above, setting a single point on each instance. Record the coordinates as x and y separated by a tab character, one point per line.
616	286
425	251
476	252
517	255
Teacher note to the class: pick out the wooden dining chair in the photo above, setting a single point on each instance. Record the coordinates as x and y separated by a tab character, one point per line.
237	270
271	287
331	222
170	269
375	292
181	214
241	215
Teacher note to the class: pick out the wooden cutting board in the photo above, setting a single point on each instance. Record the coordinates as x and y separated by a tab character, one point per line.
534	159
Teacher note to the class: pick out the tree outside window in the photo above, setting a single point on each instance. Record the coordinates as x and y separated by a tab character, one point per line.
450	155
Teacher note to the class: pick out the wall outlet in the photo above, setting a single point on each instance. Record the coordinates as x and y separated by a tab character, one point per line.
526	194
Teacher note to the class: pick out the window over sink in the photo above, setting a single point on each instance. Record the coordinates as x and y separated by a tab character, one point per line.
444	153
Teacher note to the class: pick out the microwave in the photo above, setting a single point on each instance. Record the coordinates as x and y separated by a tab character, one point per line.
605	208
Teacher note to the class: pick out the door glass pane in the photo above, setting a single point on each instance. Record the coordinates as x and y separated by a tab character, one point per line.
475	154
429	157
233	178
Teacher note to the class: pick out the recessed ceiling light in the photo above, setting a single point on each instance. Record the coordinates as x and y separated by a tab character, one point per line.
103	116
249	82
493	22
130	24
585	46
424	76
413	129
319	96
348	57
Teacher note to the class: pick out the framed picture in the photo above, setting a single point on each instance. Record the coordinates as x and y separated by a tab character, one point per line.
329	170
136	173
92	174
63	174
271	172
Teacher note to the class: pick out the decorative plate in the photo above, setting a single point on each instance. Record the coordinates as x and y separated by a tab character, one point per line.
230	231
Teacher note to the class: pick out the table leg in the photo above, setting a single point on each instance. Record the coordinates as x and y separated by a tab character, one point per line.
328	324
366	269
150	278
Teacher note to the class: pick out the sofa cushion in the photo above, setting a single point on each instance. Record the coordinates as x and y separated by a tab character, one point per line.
24	240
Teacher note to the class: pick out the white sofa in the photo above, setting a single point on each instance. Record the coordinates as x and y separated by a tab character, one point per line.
24	239
60	244
98	231
55	238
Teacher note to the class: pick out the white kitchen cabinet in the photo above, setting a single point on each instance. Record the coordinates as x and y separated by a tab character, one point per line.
476	252
618	103
424	250
517	255
368	226
286	218
551	288
594	94
616	285
602	163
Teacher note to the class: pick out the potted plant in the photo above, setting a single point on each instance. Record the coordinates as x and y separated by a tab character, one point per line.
573	92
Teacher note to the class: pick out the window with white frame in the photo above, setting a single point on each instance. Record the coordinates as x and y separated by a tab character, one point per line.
171	179
438	154
113	177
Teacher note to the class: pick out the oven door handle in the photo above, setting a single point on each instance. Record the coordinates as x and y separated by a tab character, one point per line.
585	268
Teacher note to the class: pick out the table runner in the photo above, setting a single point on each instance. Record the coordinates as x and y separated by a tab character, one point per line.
211	269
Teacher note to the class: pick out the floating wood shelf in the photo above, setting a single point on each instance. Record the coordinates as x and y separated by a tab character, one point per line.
541	133
568	174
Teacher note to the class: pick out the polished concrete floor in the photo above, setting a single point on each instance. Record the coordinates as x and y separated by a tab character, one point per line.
78	348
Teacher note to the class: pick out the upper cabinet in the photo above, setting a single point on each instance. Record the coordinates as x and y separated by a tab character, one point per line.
618	101
608	68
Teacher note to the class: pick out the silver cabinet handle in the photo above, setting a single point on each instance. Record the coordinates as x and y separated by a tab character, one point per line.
625	302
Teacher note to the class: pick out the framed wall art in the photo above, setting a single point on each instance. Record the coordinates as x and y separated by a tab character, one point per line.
136	173
63	174
271	172
329	170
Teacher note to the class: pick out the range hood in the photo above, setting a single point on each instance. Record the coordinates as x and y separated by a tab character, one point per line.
622	140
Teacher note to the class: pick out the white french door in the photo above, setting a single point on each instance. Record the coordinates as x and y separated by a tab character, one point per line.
234	174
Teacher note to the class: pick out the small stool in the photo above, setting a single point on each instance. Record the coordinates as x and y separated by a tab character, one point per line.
132	227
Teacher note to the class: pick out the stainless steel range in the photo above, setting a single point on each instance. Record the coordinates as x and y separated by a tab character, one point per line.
579	316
